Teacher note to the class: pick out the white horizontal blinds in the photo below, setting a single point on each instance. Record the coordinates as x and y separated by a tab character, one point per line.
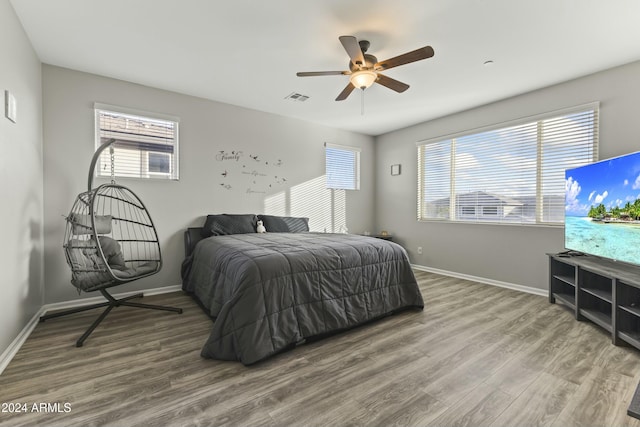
434	168
510	174
568	142
495	175
144	147
342	167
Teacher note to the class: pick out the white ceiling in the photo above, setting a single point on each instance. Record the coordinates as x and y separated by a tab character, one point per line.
247	52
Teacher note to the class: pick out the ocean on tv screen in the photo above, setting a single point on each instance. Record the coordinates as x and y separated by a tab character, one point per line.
605	239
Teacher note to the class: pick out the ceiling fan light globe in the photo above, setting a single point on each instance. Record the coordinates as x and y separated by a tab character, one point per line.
363	79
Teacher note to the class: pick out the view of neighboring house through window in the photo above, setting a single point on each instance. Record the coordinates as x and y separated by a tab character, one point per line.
146	144
510	173
342	167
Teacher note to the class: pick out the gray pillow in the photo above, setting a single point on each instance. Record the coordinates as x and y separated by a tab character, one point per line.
224	224
82	224
284	224
112	253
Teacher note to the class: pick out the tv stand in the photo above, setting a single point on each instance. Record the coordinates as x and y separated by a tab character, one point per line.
603	291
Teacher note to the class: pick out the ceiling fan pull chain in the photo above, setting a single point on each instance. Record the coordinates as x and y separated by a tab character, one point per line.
362	102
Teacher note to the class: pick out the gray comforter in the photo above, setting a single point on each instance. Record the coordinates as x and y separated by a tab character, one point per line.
267	292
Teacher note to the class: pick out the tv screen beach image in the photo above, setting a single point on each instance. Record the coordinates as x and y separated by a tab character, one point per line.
602	208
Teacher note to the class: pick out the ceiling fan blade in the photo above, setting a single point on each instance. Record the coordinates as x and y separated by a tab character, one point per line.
392	84
345	92
322	73
352	47
413	56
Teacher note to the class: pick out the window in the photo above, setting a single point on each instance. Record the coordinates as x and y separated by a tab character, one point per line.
468	210
512	173
342	167
146	144
490	210
159	163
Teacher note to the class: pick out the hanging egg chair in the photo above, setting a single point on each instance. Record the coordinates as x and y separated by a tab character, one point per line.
109	240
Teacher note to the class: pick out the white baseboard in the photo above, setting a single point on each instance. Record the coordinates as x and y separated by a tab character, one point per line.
513	286
15	345
96	300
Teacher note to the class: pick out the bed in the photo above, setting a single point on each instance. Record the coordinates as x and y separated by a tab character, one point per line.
267	292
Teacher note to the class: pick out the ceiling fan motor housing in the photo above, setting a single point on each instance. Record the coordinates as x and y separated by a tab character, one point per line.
369	62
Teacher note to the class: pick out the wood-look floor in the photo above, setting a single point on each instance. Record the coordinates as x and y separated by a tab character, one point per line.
477	355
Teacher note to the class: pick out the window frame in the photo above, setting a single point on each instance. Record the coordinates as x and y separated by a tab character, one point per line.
453	215
143	172
356	166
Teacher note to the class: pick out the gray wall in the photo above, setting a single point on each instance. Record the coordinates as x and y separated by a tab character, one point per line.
513	254
20	180
206	128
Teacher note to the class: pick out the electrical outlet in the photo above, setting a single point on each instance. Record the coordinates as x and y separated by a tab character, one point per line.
419	250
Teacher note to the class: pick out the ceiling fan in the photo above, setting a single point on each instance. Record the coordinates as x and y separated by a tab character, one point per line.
364	69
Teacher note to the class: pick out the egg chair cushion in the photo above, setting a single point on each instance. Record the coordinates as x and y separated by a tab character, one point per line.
140	270
82	224
112	253
88	269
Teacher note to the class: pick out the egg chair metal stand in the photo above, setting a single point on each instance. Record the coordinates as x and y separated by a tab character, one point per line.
109	240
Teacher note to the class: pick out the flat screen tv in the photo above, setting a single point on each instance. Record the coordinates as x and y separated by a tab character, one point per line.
602	209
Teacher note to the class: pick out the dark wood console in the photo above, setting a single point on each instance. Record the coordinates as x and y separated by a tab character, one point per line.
603	291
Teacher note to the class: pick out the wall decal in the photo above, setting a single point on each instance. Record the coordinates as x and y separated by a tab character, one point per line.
252	175
224	156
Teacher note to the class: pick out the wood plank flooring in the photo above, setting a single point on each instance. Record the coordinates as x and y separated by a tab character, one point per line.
477	355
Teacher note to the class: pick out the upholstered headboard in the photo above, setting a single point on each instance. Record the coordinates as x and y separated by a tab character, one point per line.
225	224
191	237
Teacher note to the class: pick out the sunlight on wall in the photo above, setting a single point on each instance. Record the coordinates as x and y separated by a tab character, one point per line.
325	208
276	204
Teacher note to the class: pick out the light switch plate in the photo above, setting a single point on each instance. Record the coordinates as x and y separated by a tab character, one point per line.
10	107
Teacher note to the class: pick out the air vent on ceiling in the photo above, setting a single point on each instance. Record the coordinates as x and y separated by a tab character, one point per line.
294	96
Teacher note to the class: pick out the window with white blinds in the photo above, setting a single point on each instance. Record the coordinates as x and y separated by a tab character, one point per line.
146	146
512	173
342	167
